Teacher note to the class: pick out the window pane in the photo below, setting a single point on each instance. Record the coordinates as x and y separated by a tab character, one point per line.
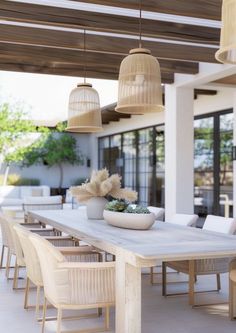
203	165
226	164
129	160
145	166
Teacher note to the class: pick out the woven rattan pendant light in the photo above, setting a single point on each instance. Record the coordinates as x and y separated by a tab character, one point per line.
84	114
227	51
139	90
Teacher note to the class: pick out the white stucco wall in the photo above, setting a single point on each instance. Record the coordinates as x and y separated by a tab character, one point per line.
203	104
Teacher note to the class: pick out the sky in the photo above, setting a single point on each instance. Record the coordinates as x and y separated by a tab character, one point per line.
45	97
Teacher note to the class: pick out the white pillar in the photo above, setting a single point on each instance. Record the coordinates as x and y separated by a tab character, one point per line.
179	172
234	162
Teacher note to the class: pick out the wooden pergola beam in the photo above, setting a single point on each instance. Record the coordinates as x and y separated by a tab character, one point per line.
207	9
55	58
101	44
65	17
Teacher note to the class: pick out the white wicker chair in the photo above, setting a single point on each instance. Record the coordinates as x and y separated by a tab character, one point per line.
33	270
8	243
180	219
203	266
14	246
73	285
41	203
187	220
158	212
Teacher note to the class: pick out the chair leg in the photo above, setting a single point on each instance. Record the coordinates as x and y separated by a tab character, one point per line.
231	299
163	279
16	273
2	256
218	282
151	275
191	282
8	263
59	317
37	302
107	318
44	314
26	293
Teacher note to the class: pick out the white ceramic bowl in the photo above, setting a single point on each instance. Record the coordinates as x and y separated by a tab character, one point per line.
129	220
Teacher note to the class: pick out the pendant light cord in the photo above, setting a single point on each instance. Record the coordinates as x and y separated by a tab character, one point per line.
140	23
85	57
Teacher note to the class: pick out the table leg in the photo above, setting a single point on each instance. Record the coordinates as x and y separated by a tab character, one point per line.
128	297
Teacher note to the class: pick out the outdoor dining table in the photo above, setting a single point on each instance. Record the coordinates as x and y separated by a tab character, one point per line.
135	249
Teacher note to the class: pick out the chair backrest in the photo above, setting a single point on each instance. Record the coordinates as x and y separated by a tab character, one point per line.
158	212
220	224
49	257
184	219
42	203
30	255
8	235
6	239
17	248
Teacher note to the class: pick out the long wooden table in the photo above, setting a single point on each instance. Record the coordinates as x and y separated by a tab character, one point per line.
136	249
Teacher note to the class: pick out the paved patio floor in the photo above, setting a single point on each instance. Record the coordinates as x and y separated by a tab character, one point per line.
160	315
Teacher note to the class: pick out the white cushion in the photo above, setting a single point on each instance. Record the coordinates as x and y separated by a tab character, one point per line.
46	190
11	202
43	200
220	224
158	212
27	191
184	219
10	191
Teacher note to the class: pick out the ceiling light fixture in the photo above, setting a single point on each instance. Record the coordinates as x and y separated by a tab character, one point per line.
84	114
227	52
139	90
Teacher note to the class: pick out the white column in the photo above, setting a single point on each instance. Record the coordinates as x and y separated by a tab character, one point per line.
179	173
234	162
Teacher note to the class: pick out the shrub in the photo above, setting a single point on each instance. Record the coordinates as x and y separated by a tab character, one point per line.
78	181
15	179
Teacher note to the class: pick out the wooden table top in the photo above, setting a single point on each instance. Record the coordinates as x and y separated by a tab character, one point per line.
164	241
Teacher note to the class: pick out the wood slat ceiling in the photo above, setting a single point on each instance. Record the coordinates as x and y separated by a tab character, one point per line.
228	80
207	9
49	39
107	22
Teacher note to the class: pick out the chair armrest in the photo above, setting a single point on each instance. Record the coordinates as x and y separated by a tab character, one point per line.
87	265
77	250
63	238
33	225
41	230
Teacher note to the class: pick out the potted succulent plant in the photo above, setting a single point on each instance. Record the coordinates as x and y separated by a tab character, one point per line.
123	215
95	192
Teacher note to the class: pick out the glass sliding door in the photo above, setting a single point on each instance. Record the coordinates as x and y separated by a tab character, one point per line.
116	162
226	164
138	156
204	165
213	166
129	154
159	171
145	166
104	152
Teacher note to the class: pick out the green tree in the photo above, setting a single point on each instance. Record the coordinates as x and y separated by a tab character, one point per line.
14	128
55	149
